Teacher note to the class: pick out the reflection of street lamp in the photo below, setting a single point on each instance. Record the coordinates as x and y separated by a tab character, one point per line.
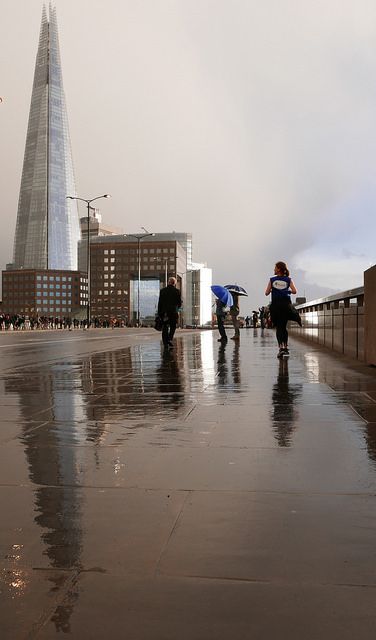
139	237
88	202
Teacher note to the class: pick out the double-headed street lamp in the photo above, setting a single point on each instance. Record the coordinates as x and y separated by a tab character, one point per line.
88	202
166	263
139	237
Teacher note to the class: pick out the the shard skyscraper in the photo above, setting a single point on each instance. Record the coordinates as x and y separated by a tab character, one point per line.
47	229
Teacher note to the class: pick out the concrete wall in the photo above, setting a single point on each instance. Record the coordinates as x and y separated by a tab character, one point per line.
370	315
338	323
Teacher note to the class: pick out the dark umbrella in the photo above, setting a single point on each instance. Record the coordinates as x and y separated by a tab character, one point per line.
234	288
224	295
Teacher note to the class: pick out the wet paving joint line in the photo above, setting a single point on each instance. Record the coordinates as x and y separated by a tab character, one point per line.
190	412
26	433
229	579
58	600
62	598
369	397
359	415
173	529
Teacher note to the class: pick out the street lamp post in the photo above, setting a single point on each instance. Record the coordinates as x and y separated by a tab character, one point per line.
88	202
166	262
139	237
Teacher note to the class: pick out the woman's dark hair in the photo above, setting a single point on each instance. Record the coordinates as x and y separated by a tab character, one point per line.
282	269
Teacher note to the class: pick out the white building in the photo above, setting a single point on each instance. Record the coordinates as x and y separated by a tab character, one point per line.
198	283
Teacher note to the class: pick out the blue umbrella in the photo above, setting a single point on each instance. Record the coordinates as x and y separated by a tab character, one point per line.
222	294
234	288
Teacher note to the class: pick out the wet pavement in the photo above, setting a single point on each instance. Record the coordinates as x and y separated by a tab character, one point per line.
204	492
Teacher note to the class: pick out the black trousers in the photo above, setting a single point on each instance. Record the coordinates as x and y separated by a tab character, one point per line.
221	327
168	329
279	313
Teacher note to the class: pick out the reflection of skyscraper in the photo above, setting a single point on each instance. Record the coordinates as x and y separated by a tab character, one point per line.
47	229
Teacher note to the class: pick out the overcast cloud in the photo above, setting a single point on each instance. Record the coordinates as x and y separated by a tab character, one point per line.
249	123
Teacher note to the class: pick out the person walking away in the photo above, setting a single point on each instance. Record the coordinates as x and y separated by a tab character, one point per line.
169	304
234	312
221	314
280	286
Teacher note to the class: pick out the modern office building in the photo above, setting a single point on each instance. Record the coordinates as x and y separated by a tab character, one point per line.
127	274
96	226
47	229
41	292
128	271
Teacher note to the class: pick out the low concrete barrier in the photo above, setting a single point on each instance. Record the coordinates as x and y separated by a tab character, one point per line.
336	322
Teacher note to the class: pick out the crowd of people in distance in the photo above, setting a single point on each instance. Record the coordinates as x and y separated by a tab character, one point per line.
16	322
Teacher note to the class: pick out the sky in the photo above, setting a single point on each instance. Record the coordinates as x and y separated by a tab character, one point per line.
249	123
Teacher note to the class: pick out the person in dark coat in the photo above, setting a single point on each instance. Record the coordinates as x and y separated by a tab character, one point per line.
168	310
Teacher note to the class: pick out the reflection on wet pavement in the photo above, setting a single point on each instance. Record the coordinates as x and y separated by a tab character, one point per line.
285	396
77	425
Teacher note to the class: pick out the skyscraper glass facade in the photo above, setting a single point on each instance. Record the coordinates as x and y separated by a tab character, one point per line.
47	229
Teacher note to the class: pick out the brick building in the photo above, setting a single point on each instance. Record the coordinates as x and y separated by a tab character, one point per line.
32	292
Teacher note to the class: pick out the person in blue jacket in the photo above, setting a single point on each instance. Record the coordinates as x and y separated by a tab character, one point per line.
281	286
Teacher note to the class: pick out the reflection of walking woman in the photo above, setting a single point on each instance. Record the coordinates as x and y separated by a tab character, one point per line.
280	286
